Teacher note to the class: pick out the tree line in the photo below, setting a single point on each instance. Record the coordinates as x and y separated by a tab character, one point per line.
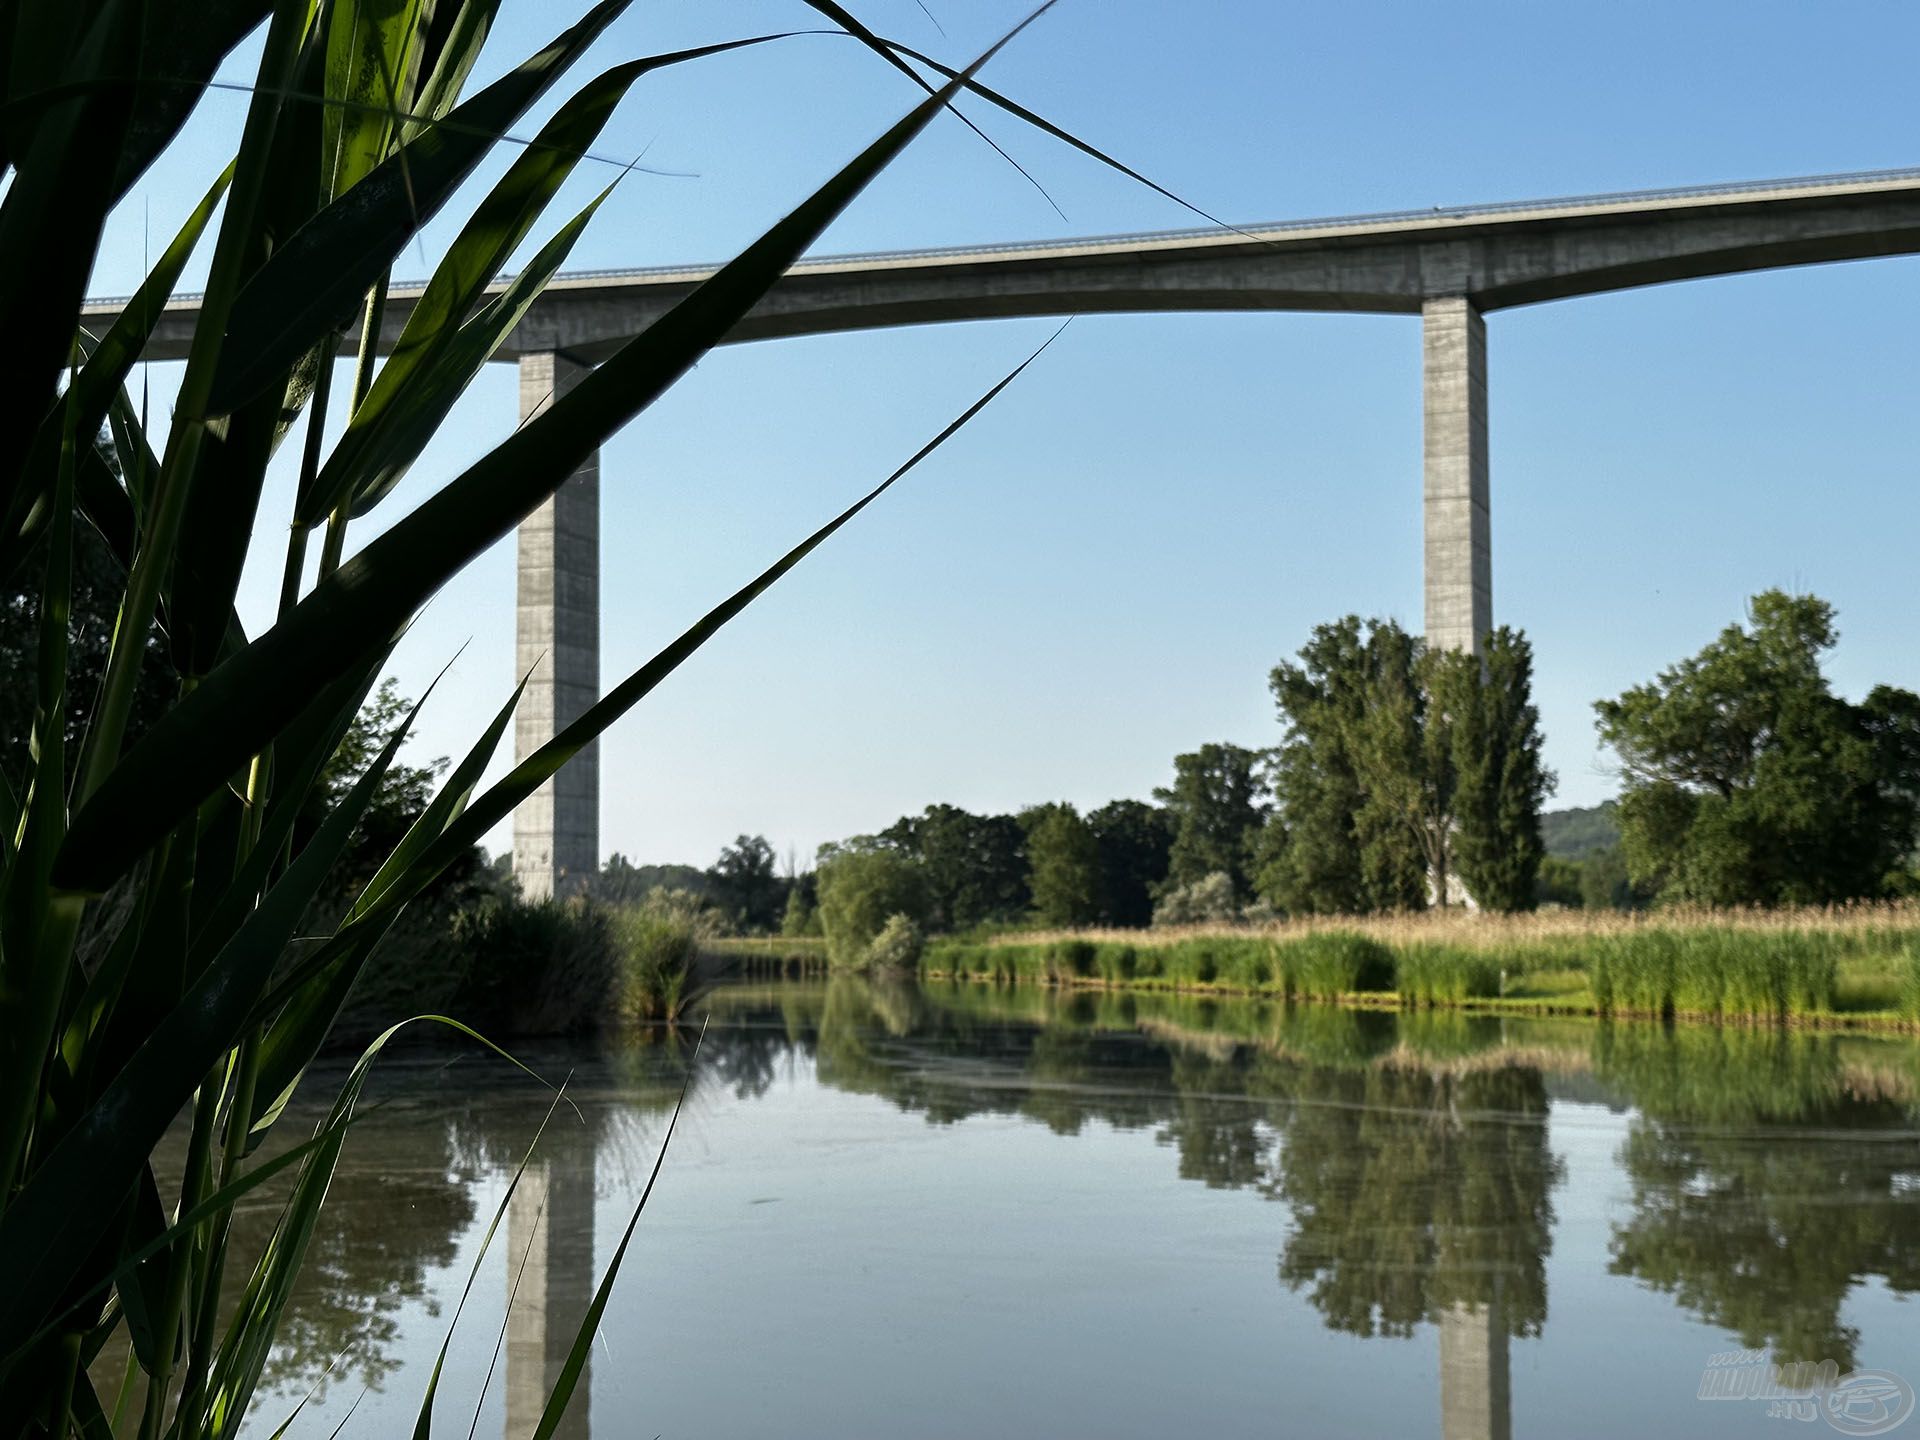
1404	777
1408	776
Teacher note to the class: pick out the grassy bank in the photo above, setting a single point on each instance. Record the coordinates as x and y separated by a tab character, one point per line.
1859	965
765	956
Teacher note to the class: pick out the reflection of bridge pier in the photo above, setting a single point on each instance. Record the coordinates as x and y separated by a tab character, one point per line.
1476	1391
550	1249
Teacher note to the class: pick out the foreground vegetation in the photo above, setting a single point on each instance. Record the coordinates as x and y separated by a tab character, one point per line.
175	934
1854	966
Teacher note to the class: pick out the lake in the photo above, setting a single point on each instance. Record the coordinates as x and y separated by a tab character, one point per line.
988	1211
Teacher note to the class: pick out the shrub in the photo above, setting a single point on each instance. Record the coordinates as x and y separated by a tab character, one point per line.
897	946
1332	963
1197	961
1910	982
1444	974
1632	972
1209	900
1702	971
1116	963
657	949
1246	963
1072	959
541	968
860	890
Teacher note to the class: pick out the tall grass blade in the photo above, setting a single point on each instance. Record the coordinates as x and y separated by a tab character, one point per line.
235	712
314	282
58	1215
506	794
498	225
388	450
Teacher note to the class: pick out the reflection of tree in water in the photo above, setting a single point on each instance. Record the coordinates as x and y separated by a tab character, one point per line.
399	1202
1413	1149
949	1062
749	1061
1214	1125
1763	1233
402	1196
1415	1192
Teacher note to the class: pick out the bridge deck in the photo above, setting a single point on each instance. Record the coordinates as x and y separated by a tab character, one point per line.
1511	253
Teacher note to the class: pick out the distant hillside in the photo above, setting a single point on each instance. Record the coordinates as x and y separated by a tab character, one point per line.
1576	834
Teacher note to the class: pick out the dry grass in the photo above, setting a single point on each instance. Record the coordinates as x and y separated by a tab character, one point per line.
1891	922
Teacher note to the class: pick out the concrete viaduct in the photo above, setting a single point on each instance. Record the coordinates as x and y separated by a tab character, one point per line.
1450	266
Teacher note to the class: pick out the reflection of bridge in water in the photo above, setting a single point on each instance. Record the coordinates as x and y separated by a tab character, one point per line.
1411	1154
1476	1386
1450	266
550	1283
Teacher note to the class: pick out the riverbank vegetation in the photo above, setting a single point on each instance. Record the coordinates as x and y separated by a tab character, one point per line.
1858	965
1403	804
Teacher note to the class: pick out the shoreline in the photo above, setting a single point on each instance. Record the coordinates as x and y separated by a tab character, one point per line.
1521	1006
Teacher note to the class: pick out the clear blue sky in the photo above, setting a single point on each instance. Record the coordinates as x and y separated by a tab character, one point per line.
1101	570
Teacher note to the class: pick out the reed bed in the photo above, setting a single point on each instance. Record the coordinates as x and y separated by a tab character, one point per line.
1756	966
1867	926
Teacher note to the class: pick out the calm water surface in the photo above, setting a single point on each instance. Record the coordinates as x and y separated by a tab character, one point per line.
981	1212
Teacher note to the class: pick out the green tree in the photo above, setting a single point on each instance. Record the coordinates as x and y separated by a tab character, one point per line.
621	882
1560	882
1402	770
399	799
746	884
1346	774
1746	780
1064	867
1135	841
1216	806
975	865
863	883
802	915
1400	746
1499	780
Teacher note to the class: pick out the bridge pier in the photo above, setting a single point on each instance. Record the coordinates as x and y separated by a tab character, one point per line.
556	831
1476	1386
1459	553
550	1284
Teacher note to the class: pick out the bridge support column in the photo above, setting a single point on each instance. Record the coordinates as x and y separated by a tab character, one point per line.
556	831
1476	1387
550	1284
1459	554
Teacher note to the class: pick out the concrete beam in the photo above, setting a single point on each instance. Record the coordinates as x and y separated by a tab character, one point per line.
1459	549
556	832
